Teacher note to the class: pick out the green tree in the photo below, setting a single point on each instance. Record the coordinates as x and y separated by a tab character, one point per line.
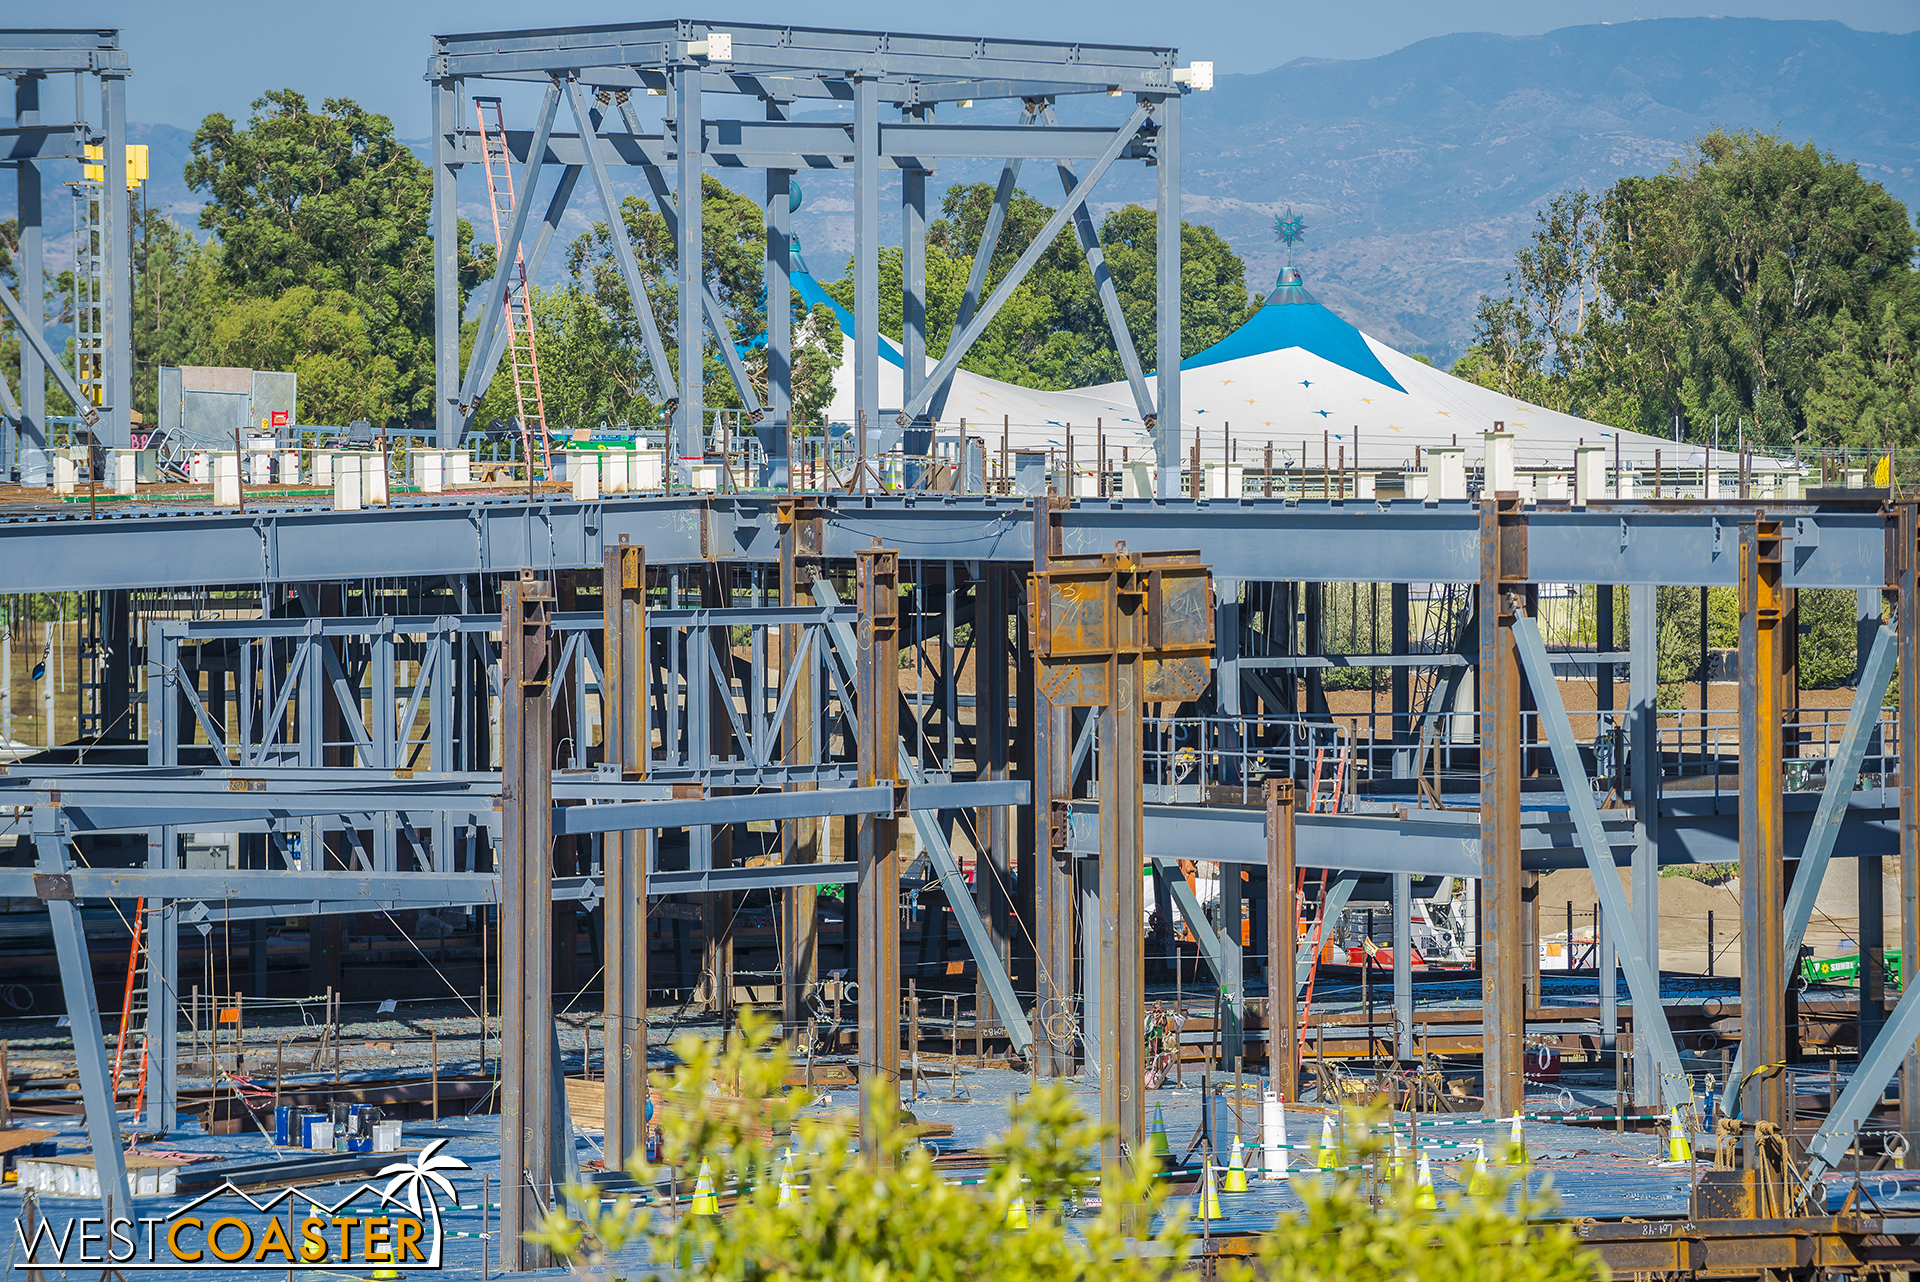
332	201
321	337
1756	281
851	1218
176	298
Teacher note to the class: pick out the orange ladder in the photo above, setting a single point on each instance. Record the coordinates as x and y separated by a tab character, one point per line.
134	1006
522	354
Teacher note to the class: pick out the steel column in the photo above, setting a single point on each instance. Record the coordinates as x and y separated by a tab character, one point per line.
866	267
1167	231
776	430
1123	978
1051	874
1503	570
877	837
1643	755
1765	1090
116	247
531	1155
1905	559
1403	967
690	417
625	736
1283	935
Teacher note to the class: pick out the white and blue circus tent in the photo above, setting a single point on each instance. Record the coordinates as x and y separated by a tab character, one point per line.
1294	374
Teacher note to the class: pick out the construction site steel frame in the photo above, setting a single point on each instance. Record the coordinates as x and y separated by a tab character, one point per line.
775	85
741	652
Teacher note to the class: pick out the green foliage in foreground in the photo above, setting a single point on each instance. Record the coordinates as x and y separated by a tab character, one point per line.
851	1220
1357	1230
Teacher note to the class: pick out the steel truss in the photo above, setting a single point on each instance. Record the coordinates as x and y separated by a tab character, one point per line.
761	74
28	57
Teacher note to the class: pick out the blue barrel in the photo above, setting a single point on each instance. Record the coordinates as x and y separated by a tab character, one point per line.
283	1125
307	1123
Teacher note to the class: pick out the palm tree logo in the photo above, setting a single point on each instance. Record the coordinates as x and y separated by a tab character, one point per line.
424	1173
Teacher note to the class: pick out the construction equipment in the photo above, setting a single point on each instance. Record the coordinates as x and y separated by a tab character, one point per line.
523	356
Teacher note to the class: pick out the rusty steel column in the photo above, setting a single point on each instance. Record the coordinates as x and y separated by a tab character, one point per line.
799	838
1906	555
1503	569
1763	987
1123	951
530	1142
877	837
1051	875
1283	941
626	737
1113	632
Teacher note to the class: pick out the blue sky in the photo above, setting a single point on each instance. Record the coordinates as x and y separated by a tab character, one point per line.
193	58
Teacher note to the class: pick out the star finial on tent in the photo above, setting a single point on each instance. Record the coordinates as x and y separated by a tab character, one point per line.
1289	227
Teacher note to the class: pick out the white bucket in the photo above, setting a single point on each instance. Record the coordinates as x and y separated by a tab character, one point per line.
386	1137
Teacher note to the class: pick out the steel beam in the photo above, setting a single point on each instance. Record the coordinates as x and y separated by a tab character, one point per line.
116	249
146	546
1283	938
1503	571
1103	283
1763	994
83	1013
963	339
534	1147
877	838
982	260
1651	1029
663	372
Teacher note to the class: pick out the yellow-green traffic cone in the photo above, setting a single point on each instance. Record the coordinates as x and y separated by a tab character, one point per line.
1209	1193
1679	1143
1017	1213
1157	1135
1423	1196
1479	1183
704	1201
786	1183
1236	1177
1516	1143
1324	1160
1397	1159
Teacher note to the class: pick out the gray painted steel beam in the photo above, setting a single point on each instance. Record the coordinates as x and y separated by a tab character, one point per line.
83	1010
926	826
1828	1147
1642	971
963	340
146	547
776	50
1843	771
